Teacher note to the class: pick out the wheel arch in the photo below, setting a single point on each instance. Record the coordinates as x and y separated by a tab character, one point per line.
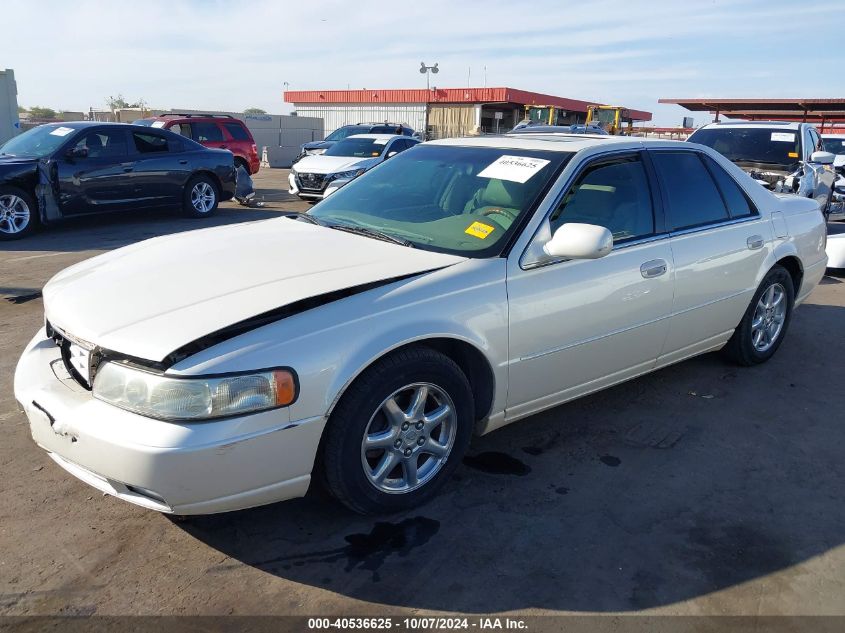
472	361
795	269
210	174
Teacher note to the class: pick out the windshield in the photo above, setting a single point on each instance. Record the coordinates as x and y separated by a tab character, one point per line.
756	145
347	130
38	142
834	145
458	200
358	147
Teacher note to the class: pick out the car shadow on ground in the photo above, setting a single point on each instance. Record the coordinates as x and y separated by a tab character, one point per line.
105	232
681	483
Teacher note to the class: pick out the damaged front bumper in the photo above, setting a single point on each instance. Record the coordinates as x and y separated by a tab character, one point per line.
181	468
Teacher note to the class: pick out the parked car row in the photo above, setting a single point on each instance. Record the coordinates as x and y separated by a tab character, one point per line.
319	175
450	290
62	170
318	147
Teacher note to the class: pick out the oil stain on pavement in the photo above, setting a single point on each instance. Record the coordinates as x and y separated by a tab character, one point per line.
367	551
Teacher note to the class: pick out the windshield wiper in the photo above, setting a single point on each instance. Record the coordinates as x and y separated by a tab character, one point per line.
294	215
363	230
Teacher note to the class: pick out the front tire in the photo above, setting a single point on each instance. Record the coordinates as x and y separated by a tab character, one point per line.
398	432
200	198
18	213
763	327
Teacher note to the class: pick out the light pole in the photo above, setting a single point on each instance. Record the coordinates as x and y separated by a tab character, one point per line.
425	70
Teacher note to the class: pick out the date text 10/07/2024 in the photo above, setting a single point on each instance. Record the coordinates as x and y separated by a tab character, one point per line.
417	623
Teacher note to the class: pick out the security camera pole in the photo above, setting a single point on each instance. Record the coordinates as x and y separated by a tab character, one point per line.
425	70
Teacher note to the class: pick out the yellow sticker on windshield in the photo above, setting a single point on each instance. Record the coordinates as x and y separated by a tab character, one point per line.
793	154
479	230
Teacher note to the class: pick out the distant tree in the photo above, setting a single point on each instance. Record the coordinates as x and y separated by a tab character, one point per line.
255	111
21	109
38	112
116	103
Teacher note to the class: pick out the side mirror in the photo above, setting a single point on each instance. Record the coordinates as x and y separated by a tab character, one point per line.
77	152
574	240
391	154
822	158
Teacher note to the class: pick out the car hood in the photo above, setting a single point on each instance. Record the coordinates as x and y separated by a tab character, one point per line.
322	164
318	145
6	159
149	299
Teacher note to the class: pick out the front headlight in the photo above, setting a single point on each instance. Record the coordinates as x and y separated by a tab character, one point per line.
352	173
168	398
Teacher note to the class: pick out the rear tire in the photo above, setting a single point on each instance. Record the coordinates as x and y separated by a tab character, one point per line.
18	213
763	327
200	198
398	432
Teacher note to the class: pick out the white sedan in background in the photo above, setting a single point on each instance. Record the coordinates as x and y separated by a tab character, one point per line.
457	288
319	175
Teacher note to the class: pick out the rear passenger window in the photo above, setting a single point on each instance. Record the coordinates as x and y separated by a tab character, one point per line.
614	194
237	131
738	204
691	192
207	132
149	143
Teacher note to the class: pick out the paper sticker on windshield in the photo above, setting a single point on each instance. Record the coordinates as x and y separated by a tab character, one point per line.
513	168
479	230
158	123
62	131
380	141
786	137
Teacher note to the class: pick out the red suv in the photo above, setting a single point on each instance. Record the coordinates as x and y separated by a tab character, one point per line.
222	131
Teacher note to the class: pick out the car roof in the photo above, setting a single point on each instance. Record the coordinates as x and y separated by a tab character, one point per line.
557	142
378	137
81	125
788	125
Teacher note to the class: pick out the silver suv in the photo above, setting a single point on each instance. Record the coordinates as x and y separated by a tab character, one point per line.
784	157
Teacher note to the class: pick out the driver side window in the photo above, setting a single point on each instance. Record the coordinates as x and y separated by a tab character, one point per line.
614	194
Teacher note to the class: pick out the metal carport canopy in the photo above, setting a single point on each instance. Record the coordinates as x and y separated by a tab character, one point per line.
809	110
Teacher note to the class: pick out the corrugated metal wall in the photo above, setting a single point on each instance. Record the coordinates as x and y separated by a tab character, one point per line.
336	115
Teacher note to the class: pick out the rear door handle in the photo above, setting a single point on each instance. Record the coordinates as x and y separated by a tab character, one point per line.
754	242
183	162
653	268
127	166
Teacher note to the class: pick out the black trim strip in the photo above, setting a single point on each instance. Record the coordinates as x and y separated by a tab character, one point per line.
271	316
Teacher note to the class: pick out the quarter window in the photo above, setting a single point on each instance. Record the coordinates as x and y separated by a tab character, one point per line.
237	131
614	194
735	199
149	143
207	132
692	194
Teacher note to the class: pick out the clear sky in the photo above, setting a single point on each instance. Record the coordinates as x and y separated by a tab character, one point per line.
229	55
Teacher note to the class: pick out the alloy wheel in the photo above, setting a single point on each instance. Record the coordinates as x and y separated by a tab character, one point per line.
202	197
14	214
409	438
769	317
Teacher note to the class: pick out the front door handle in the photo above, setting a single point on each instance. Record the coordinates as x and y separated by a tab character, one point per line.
183	162
754	242
654	268
128	166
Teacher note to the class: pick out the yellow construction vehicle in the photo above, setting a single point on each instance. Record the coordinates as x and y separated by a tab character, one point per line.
611	118
544	115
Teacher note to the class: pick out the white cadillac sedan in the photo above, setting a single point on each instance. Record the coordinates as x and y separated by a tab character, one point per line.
462	285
